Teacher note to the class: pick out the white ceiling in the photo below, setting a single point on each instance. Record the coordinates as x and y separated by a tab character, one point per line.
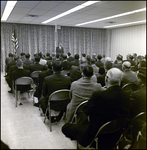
48	9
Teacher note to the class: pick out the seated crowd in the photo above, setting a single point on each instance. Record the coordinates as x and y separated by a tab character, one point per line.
94	78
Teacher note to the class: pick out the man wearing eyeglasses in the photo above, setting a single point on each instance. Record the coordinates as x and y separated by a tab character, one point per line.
103	106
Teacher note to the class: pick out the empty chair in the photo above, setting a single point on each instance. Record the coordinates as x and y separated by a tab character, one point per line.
23	81
110	129
57	101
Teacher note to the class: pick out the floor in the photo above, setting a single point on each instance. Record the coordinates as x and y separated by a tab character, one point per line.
22	127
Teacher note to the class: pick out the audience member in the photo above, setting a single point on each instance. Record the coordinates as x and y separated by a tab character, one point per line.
102	107
42	60
41	77
36	66
94	57
20	72
95	68
65	63
107	66
27	61
51	83
81	90
70	58
76	60
129	76
118	62
88	59
99	63
22	56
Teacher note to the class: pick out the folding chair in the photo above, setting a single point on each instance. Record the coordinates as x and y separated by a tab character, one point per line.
23	81
110	127
57	101
129	87
141	116
35	75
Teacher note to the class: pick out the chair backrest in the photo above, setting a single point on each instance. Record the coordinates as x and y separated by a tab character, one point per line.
24	81
140	116
130	87
61	97
78	114
35	74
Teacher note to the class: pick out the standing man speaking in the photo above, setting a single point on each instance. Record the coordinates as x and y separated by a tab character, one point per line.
59	50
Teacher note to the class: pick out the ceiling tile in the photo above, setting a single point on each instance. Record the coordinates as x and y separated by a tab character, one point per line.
37	11
27	4
18	10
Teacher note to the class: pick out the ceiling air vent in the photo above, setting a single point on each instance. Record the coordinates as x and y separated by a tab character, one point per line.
29	15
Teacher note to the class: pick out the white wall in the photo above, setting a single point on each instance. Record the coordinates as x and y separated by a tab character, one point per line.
126	40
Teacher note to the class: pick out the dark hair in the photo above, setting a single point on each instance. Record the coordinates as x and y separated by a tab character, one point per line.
57	66
88	71
119	57
88	58
37	58
64	56
10	55
49	64
143	63
83	54
108	65
131	57
22	54
16	58
57	55
102	70
99	57
47	54
40	54
68	53
27	55
76	56
93	61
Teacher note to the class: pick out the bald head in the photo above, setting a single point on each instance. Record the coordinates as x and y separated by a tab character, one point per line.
113	76
126	65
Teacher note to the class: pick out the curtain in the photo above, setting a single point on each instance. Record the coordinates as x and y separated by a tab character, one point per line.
41	38
126	40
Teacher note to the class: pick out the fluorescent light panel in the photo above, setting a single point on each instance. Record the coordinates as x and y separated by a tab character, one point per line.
9	7
71	11
115	16
125	24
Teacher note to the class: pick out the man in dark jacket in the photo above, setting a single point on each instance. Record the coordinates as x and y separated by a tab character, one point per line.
102	107
52	83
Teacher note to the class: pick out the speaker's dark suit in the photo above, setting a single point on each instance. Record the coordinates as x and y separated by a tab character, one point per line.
102	107
59	51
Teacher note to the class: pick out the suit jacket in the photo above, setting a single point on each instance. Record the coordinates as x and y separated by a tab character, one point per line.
129	77
21	73
36	67
99	64
138	101
59	51
26	63
119	66
70	59
75	63
75	73
41	77
84	88
105	106
66	65
101	79
55	82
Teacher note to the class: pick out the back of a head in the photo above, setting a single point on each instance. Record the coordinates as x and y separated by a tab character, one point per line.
22	54
114	76
126	65
108	65
68	53
108	59
37	58
83	55
119	57
87	71
49	64
27	55
57	66
40	54
88	58
47	54
99	57
76	56
10	55
64	56
57	55
92	61
19	63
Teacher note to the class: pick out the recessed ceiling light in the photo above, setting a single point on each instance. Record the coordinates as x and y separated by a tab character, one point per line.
118	25
115	16
8	8
71	11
